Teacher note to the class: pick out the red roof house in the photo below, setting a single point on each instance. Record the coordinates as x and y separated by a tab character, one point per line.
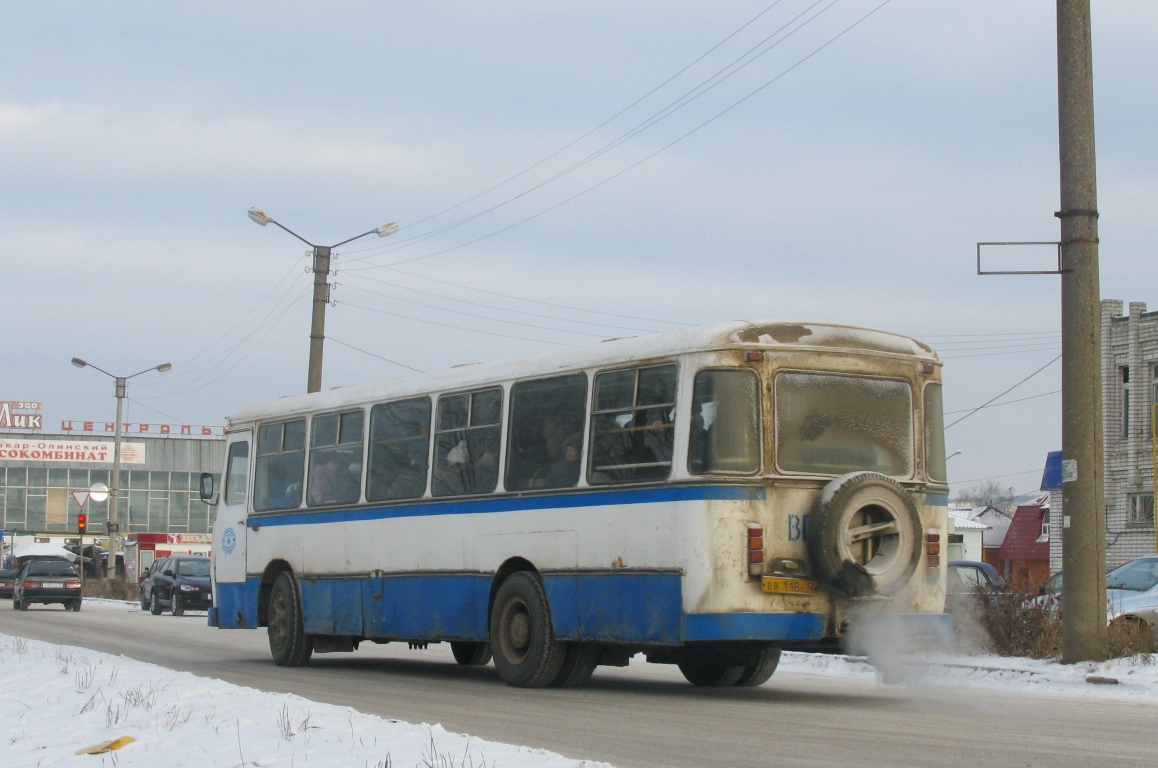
1025	550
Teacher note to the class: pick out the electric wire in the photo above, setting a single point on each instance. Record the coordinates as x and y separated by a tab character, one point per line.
448	325
996	477
503	309
643	160
662	114
1006	392
472	314
996	354
554	304
269	329
371	354
618	114
1009	402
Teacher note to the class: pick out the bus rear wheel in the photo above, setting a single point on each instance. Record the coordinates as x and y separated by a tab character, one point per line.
712	673
579	663
288	642
471	654
760	672
523	642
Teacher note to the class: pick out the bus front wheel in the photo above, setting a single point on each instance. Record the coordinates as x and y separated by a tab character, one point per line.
523	642
288	642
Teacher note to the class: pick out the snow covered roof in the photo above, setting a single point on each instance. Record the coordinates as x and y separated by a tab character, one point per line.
961	520
739	334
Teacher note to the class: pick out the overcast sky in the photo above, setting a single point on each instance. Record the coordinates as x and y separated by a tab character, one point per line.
853	188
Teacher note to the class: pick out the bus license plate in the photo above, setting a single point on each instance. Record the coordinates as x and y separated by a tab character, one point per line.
781	586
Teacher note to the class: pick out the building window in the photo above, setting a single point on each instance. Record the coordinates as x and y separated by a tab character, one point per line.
1045	525
1125	403
1141	508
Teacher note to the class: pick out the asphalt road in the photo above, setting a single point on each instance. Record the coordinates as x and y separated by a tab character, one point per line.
644	715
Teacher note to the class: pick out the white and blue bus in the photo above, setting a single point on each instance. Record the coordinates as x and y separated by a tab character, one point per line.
706	497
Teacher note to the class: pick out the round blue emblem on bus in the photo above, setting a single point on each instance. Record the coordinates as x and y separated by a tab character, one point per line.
228	541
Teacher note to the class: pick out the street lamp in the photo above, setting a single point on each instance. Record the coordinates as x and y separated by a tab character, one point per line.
951	455
119	393
321	255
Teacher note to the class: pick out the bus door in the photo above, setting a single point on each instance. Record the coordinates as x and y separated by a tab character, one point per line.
232	509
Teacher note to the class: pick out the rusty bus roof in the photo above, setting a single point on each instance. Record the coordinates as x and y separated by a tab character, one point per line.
762	334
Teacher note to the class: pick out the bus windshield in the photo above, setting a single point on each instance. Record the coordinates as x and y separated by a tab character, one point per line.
833	423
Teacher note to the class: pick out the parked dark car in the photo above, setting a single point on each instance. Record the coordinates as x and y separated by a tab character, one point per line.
972	583
47	581
180	583
146	582
7	582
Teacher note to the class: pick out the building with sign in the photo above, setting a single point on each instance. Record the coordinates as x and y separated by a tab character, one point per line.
159	479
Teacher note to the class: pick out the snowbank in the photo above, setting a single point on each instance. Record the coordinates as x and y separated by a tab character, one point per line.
55	700
1135	678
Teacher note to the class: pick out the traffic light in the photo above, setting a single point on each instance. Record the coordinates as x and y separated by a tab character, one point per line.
81	523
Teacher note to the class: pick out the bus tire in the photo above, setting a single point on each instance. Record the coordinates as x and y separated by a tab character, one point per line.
579	663
471	654
289	644
709	672
522	639
761	671
848	506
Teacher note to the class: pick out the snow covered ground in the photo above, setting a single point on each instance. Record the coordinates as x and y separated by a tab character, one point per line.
1134	679
55	700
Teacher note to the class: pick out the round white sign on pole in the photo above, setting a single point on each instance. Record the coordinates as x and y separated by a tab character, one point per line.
98	492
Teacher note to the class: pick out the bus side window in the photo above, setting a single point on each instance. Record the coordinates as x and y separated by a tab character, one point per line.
237	473
280	468
399	439
724	434
632	425
466	443
545	436
335	458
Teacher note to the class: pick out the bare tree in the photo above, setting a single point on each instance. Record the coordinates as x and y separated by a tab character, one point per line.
985	492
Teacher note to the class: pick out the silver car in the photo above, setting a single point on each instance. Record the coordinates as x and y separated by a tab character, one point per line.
1132	591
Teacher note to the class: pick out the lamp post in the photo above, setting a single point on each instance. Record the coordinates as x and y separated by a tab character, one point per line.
321	255
119	393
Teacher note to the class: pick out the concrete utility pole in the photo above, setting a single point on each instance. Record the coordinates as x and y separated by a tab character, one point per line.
318	320
321	254
1084	636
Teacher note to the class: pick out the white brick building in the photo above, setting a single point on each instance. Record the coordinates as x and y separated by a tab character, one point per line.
1129	390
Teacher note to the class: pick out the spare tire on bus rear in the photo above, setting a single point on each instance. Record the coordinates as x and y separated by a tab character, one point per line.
864	536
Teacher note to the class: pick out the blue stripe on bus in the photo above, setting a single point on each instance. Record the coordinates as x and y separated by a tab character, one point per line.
517	504
753	626
937	499
632	608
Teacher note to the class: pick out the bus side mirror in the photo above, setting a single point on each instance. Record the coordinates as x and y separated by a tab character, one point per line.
208	494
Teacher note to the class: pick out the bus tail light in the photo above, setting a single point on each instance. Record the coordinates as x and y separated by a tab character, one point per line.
755	550
933	549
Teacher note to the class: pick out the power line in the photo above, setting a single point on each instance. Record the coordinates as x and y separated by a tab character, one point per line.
371	354
472	314
570	144
1008	402
646	123
1006	392
636	164
995	477
530	301
455	327
994	354
503	309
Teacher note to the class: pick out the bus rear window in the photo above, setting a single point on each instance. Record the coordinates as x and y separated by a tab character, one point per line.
934	433
725	427
831	424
